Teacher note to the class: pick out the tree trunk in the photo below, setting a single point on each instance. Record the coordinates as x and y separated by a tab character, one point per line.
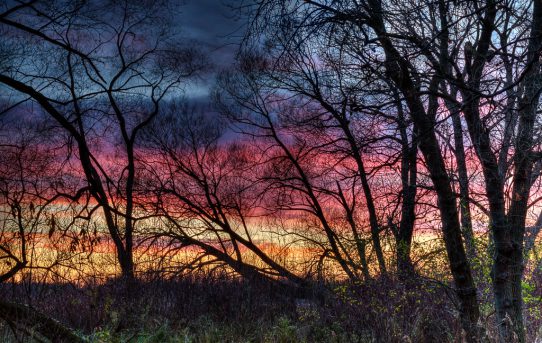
464	204
409	174
523	166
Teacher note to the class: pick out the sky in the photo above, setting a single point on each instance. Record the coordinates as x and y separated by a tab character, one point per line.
217	27
214	26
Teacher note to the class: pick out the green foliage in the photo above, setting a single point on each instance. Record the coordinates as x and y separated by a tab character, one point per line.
284	331
306	328
528	289
531	300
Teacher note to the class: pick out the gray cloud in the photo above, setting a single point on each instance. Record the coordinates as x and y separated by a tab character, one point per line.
215	24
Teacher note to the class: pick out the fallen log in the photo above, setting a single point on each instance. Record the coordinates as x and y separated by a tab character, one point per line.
29	320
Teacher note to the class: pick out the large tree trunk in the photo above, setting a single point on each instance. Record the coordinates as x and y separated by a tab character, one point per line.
523	167
451	227
511	306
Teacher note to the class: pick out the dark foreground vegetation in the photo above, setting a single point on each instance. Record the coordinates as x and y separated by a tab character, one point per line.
215	308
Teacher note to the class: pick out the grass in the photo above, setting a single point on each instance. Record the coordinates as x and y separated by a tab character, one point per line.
231	310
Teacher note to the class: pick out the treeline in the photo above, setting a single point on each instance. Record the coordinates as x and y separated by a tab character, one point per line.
342	130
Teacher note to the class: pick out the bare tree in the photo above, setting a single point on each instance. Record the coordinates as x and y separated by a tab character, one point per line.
32	235
446	53
99	70
307	158
207	196
368	25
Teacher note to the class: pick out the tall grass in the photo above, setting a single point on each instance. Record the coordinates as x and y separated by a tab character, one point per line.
222	309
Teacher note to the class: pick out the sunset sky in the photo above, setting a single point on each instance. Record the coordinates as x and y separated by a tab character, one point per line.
360	169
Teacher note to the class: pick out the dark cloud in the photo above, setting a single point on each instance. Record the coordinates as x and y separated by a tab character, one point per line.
216	27
216	24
